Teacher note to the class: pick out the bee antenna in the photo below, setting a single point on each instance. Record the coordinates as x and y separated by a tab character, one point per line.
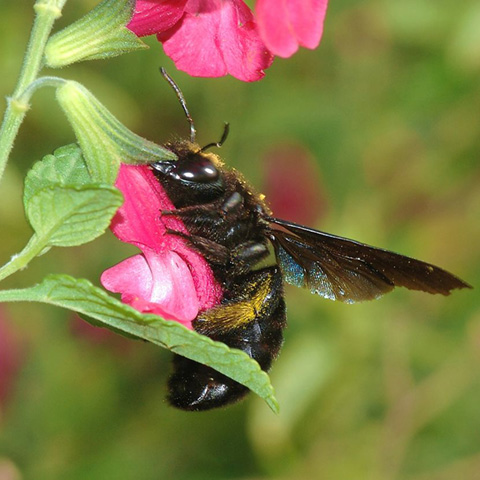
183	103
226	129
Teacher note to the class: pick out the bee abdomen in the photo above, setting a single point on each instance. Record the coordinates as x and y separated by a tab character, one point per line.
194	386
263	339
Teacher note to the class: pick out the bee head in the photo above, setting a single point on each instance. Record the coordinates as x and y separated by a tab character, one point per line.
194	178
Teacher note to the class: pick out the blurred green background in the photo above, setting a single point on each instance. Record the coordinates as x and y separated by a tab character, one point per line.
389	109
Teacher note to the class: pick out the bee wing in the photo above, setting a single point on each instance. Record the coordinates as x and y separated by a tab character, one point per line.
341	269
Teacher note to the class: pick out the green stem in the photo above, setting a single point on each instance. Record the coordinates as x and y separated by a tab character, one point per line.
21	260
40	83
46	12
16	295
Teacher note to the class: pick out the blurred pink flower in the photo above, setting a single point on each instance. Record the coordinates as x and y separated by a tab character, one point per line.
212	38
168	278
99	336
10	358
293	186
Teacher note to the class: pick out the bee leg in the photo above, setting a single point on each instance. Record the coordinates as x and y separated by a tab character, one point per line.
178	233
188	211
213	209
198	218
212	251
172	213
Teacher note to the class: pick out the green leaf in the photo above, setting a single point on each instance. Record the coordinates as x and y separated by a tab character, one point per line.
99	34
63	206
65	167
71	215
83	297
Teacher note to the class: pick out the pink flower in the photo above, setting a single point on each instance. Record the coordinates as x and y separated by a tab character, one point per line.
285	25
94	335
168	278
212	38
292	180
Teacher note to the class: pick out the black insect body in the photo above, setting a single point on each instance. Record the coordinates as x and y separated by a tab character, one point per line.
232	227
226	224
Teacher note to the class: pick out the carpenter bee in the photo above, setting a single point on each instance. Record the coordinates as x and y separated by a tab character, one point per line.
232	227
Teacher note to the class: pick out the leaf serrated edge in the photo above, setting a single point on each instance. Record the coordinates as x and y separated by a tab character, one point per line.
72	153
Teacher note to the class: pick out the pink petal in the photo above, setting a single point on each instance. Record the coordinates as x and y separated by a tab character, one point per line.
208	290
154	16
131	277
243	50
286	24
173	286
215	38
139	220
152	283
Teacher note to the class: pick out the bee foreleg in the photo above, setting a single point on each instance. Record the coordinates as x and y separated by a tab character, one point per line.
189	211
212	251
208	216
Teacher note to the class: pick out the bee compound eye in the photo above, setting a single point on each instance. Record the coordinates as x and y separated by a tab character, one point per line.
197	169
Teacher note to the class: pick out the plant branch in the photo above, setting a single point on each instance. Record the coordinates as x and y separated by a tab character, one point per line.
46	12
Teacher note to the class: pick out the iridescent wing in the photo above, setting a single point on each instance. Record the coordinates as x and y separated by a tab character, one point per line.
341	269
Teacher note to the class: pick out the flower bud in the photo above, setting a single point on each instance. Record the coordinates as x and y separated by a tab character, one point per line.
99	34
104	141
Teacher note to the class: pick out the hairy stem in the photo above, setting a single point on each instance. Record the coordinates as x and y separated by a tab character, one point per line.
21	260
46	12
